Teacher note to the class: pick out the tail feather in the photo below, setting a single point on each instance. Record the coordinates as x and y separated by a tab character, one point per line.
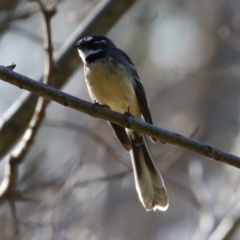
149	183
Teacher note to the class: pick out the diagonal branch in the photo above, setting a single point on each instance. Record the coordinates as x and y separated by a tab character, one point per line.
162	135
99	21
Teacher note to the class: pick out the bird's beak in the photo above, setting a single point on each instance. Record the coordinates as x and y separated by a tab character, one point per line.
76	45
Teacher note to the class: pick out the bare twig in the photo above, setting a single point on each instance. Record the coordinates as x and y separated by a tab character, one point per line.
99	21
93	135
103	179
15	218
47	13
106	114
16	158
12	66
206	216
177	155
228	224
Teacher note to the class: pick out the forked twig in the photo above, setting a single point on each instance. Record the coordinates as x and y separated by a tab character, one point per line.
15	158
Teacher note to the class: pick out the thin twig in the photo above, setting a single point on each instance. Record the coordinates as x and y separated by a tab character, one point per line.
17	156
177	155
18	116
15	218
103	179
206	216
84	130
228	224
99	112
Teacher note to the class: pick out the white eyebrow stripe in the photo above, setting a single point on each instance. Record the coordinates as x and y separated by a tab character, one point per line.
86	53
100	41
88	39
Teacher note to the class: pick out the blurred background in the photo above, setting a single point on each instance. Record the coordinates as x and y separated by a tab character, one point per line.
76	179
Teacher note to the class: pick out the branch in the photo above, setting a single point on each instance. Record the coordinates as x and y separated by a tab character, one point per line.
16	157
162	135
99	21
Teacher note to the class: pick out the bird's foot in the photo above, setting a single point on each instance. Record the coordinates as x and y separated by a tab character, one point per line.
96	103
127	115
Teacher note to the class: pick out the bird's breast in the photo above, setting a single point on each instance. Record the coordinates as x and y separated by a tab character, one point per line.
112	84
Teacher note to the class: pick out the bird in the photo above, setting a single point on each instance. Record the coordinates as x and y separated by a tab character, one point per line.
113	82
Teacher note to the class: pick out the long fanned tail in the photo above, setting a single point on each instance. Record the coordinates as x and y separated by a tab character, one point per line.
149	183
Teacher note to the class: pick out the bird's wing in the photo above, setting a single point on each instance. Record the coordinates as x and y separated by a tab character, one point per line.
139	89
140	92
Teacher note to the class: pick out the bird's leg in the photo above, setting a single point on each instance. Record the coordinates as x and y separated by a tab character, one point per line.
127	114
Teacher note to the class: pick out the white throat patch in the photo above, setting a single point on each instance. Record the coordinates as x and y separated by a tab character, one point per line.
85	53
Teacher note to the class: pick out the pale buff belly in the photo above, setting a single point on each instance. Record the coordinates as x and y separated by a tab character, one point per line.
108	87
